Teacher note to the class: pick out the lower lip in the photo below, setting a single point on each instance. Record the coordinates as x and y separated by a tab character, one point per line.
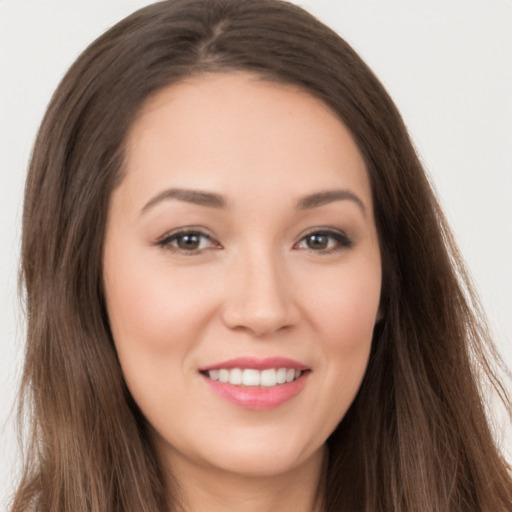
258	398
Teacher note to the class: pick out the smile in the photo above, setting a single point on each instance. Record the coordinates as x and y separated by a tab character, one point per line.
256	384
251	377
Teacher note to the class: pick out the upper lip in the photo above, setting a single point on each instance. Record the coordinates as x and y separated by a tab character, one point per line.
256	364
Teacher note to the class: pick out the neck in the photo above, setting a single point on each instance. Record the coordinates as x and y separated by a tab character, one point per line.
203	488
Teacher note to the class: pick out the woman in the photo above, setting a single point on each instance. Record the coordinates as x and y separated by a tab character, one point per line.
241	291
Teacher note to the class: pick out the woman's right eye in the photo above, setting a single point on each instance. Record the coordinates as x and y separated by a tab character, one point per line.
188	242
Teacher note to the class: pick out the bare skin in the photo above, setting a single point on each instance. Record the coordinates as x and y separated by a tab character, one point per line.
242	231
299	491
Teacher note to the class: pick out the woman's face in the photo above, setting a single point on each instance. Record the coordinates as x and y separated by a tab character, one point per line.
242	273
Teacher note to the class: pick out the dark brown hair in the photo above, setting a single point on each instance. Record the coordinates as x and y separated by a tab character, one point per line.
416	437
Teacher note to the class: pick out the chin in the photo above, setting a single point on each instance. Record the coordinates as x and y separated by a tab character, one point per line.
251	455
268	463
261	467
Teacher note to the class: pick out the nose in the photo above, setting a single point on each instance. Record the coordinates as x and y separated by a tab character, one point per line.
260	299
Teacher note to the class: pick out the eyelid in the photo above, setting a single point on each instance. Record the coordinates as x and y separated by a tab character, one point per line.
343	240
165	240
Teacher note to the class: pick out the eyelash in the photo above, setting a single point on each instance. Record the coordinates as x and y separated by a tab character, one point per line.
166	241
342	241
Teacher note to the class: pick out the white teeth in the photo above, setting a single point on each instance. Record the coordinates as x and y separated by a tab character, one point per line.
281	376
235	376
251	377
268	378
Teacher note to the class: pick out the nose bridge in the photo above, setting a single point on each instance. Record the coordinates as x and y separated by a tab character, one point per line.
259	298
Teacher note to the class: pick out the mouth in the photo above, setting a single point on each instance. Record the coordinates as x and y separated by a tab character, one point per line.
251	377
256	383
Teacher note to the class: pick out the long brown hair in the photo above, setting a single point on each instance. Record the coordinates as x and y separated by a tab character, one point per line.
416	437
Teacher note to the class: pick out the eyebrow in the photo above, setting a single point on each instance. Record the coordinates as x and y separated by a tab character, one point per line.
329	196
213	200
208	199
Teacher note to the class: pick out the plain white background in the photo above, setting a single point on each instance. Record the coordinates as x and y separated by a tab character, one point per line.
446	63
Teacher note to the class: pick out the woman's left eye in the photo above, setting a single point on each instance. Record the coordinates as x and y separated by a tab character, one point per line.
324	241
188	242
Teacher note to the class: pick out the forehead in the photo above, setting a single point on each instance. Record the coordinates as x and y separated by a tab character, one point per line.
237	133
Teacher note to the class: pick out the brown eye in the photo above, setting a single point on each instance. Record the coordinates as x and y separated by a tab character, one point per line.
324	241
317	241
188	242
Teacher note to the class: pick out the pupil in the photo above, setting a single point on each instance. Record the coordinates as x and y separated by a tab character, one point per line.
318	241
188	242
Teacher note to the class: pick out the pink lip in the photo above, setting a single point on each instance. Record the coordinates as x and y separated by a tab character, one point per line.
257	398
256	364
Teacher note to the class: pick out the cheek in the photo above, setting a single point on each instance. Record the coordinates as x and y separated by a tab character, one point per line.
345	303
345	314
157	317
156	324
151	308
